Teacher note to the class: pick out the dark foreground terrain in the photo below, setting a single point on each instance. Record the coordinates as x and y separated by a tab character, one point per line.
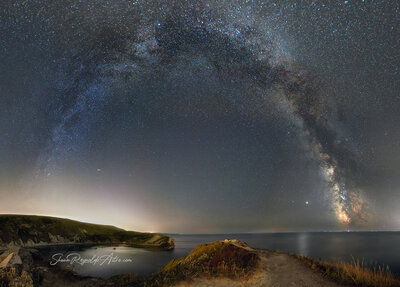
223	263
31	231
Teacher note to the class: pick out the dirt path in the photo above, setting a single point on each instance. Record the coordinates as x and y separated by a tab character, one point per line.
277	269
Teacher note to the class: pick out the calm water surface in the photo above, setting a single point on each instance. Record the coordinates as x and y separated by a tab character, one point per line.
372	247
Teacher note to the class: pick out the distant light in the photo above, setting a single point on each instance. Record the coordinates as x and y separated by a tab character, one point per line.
307	202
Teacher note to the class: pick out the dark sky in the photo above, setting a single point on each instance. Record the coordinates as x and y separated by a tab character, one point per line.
202	116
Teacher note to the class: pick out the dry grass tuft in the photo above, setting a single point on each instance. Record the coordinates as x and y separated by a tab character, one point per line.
213	260
354	273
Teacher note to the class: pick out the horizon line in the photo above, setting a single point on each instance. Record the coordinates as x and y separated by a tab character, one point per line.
218	233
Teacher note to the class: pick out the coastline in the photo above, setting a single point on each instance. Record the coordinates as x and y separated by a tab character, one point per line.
222	263
32	231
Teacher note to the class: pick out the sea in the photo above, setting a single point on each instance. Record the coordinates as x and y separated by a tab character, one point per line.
372	249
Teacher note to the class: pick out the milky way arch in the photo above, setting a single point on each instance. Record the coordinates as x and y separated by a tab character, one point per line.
127	53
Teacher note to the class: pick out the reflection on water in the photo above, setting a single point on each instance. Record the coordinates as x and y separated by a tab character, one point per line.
302	243
106	261
372	247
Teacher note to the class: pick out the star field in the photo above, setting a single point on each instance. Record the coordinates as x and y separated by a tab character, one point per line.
202	116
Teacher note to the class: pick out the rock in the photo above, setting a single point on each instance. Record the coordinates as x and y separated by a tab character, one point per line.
237	243
30	231
17	257
17	267
10	258
6	262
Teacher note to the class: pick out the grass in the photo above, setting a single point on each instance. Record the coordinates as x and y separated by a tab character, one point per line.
217	259
42	228
13	277
354	273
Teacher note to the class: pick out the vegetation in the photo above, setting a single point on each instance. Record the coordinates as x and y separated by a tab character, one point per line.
13	277
229	259
353	274
217	259
32	230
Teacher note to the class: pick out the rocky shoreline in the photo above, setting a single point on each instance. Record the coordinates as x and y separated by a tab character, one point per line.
17	267
38	231
219	264
26	267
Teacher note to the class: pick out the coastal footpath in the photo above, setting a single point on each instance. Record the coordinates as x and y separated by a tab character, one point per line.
222	263
227	263
230	263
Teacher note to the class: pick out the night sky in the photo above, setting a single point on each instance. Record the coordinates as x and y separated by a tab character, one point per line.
202	116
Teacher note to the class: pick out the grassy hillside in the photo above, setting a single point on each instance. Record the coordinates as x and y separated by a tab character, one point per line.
33	230
214	260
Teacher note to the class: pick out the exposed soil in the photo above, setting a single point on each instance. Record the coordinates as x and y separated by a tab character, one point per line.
276	269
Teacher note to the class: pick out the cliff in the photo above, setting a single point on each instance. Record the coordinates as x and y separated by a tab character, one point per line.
30	230
230	259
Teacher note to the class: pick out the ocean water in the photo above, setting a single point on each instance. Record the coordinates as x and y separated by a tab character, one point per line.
372	248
